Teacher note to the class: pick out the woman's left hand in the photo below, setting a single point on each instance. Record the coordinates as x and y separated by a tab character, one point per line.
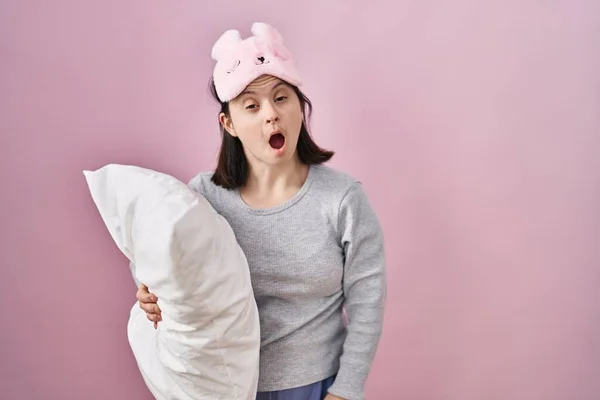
333	397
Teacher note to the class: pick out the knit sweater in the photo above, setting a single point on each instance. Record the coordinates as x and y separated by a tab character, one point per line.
311	257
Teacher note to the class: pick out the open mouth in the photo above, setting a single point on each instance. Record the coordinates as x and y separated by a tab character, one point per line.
277	141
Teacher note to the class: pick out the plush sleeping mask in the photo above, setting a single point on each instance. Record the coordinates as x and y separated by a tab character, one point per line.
239	62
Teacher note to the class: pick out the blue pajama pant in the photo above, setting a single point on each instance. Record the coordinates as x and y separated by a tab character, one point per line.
314	391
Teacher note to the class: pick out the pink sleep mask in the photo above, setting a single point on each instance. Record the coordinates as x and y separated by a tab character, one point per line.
239	62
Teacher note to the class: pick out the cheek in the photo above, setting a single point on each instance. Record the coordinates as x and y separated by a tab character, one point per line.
246	128
295	117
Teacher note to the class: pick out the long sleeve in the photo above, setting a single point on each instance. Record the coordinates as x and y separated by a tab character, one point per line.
364	286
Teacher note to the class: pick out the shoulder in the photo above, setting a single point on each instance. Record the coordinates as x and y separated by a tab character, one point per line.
337	185
351	199
202	184
341	194
224	201
332	180
352	214
201	181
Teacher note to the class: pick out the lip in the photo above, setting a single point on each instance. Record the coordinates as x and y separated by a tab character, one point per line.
282	149
275	132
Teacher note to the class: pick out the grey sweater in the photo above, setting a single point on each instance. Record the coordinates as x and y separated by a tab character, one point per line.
309	258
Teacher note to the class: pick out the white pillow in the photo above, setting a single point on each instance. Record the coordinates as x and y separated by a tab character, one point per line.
207	345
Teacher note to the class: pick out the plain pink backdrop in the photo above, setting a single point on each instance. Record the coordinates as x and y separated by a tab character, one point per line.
475	127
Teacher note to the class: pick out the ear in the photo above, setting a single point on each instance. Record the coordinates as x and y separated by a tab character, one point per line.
227	124
266	32
272	38
226	42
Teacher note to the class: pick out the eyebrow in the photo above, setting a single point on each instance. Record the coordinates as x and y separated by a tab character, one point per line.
275	86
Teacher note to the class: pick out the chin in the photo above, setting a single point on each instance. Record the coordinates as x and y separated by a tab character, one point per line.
281	158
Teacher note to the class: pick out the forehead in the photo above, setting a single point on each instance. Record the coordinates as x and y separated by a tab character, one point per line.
264	83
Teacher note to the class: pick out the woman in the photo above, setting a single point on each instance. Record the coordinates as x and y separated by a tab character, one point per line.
313	243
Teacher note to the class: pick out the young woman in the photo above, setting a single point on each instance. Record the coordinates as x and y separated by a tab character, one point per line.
313	243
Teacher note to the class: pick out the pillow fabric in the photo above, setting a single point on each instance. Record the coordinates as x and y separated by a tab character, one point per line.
207	345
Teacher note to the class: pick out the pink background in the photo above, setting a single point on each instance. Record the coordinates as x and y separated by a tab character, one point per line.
475	127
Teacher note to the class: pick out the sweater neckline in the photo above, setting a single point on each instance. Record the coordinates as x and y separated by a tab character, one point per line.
289	203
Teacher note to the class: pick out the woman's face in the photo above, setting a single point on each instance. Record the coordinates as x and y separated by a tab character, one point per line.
267	118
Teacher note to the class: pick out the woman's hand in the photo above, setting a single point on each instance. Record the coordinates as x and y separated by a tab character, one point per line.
147	303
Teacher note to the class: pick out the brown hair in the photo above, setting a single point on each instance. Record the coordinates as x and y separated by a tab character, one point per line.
232	165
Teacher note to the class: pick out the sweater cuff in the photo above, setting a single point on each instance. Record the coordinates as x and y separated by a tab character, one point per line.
348	387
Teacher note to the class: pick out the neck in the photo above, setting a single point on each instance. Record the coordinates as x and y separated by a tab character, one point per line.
264	178
269	185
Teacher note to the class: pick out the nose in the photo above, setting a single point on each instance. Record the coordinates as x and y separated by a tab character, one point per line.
270	113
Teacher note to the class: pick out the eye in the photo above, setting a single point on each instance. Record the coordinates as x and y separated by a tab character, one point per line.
281	98
251	107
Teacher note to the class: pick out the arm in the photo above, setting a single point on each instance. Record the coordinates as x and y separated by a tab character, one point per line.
364	291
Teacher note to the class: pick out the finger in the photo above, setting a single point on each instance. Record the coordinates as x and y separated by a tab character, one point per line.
141	292
142	289
144	296
150	308
153	317
155	325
